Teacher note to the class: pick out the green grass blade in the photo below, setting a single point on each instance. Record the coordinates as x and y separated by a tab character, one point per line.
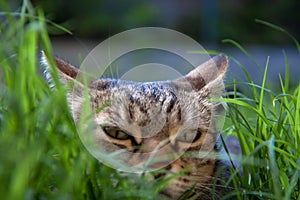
279	29
293	184
261	100
274	170
296	130
242	49
287	72
246	105
263	86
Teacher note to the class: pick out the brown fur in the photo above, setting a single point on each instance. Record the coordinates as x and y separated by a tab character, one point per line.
161	110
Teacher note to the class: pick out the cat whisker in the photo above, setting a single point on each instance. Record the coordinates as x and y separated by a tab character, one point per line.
204	188
135	105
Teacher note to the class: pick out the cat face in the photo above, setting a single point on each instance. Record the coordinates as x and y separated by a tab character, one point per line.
155	123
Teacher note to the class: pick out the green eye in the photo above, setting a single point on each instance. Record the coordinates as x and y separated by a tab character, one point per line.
116	133
189	136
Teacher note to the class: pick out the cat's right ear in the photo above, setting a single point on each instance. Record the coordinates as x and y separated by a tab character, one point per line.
67	73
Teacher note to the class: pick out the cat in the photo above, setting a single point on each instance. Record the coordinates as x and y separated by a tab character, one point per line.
141	115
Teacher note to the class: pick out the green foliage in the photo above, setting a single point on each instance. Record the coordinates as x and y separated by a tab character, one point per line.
42	157
267	125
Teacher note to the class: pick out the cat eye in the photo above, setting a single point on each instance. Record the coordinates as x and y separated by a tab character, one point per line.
189	137
116	133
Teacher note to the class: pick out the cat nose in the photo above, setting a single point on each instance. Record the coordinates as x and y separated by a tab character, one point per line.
162	157
160	165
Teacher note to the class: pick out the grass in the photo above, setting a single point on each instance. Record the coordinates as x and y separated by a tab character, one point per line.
42	157
41	154
267	125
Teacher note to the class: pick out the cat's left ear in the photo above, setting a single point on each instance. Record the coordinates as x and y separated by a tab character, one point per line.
209	74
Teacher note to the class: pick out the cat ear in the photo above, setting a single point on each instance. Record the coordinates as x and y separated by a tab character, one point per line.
68	76
67	72
207	74
74	79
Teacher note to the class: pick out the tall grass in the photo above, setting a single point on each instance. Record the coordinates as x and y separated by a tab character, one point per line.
267	125
42	157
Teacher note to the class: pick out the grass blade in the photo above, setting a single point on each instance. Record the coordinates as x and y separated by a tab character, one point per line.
274	169
279	29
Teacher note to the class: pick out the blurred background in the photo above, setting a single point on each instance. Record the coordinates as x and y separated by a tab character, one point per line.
208	22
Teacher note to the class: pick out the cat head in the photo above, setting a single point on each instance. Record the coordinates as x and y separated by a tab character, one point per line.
165	124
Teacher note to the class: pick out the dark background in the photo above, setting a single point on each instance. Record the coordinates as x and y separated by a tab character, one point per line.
206	21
